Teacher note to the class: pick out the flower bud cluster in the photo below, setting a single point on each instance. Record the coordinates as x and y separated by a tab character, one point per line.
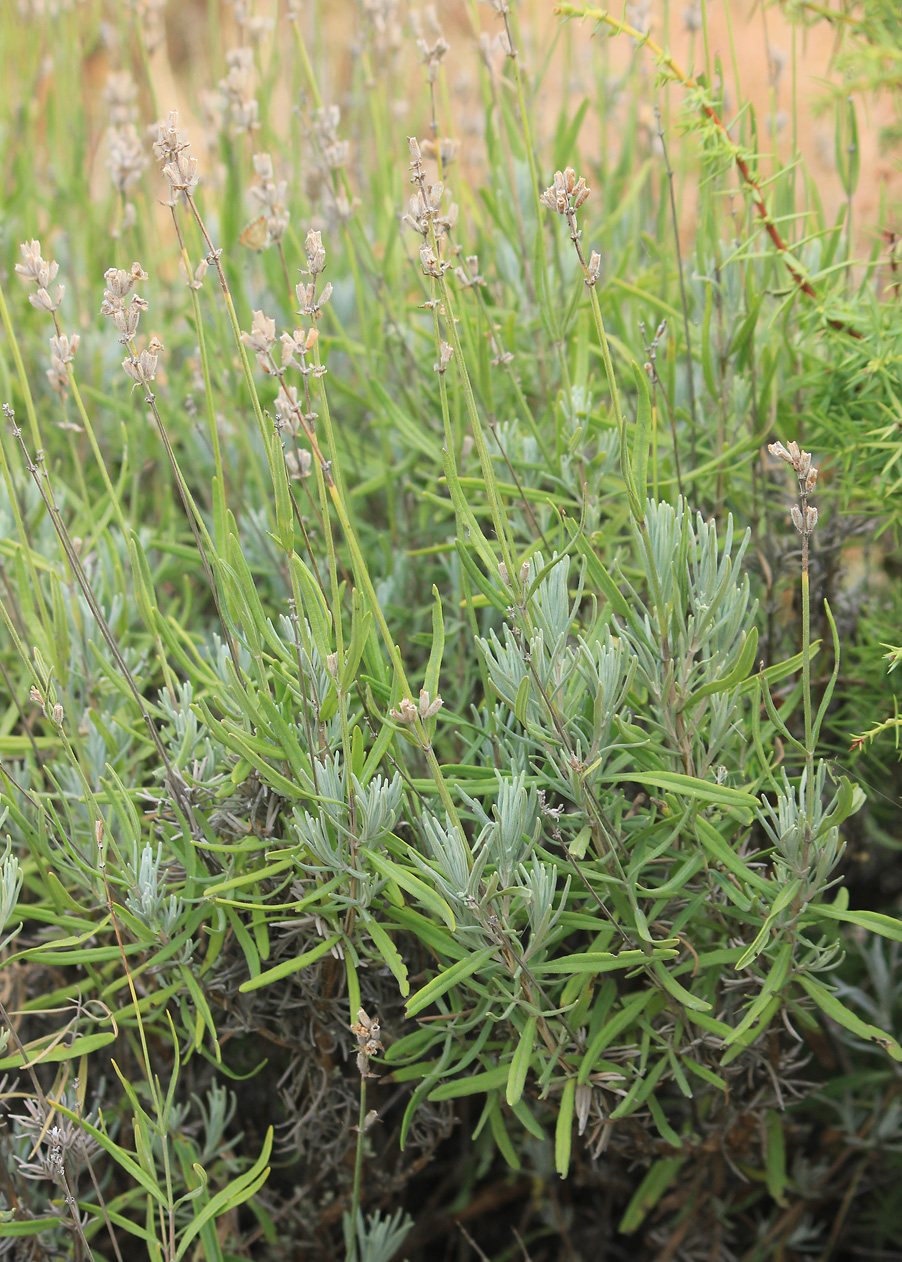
290	410
445	148
308	303
432	265
299	463
296	346
124	308
196	281
56	714
425	206
564	196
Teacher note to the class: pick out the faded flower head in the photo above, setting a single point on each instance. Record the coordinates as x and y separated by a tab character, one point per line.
171	148
41	273
367	1032
429	709
290	411
406	712
431	56
566	193
298	463
804	515
235	89
124	314
62	352
126	159
143	368
272	195
335	151
261	339
316	254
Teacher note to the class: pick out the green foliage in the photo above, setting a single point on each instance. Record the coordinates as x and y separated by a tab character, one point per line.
423	656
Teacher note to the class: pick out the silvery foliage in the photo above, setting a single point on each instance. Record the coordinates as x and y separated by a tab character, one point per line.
186	737
808	851
456	874
509	836
562	673
537	887
328	835
317	679
11	878
707	611
877	1000
215	1116
504	849
378	1239
147	898
510	439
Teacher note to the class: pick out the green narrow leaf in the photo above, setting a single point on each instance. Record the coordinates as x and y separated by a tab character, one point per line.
436	652
519	1065
707	357
604	961
361	625
875	921
475	1084
444	981
678	992
502	1139
690	786
781	902
64	1051
611	1029
287	967
413	885
838	1012
563	1131
665	1130
521	701
736	675
649	1192
232	1195
773	983
642	439
389	953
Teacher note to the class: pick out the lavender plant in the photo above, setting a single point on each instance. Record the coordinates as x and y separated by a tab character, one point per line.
419	766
